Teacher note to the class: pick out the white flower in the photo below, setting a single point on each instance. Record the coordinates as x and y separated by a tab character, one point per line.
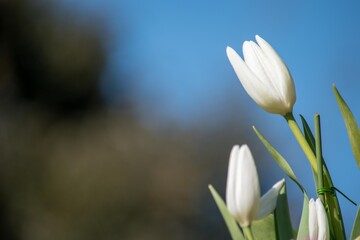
264	76
318	223
313	224
243	189
323	230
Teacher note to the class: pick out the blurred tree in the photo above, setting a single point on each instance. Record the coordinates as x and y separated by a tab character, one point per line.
53	63
101	175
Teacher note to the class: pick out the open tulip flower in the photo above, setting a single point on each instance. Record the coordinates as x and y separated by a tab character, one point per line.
243	190
264	76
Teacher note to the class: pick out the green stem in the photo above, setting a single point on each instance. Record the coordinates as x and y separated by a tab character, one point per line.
337	230
248	233
301	140
320	180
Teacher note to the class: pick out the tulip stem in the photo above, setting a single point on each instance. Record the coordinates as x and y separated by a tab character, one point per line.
248	233
335	218
320	180
301	140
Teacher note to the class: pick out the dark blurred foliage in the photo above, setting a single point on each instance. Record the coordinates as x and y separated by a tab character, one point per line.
52	62
72	169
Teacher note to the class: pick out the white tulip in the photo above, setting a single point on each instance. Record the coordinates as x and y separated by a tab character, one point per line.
243	189
318	223
323	230
264	76
313	224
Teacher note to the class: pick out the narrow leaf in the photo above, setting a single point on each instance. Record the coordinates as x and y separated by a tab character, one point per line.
312	143
308	134
356	228
228	218
282	217
351	126
284	165
303	228
303	232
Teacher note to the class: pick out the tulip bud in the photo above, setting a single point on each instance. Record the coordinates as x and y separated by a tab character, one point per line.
318	223
323	231
264	76
313	224
242	188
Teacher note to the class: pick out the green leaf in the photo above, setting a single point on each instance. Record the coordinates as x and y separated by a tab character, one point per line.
282	217
303	228
351	126
312	143
304	222
276	225
228	218
356	228
284	165
308	134
264	228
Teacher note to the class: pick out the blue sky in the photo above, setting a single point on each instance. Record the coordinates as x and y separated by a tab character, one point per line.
177	49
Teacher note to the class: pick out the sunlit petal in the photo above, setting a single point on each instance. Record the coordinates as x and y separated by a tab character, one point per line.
269	199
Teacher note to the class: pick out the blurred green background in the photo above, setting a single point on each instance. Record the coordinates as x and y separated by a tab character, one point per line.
116	115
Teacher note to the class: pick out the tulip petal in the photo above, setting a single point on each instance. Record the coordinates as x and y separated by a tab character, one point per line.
285	85
269	199
247	192
257	90
247	78
251	53
313	223
230	185
323	230
265	70
261	65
